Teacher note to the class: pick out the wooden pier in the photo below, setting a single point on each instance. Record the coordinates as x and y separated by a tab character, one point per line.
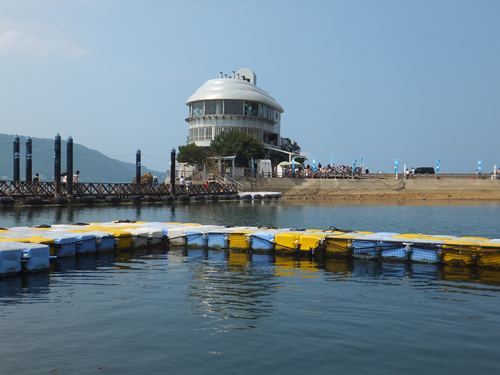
48	190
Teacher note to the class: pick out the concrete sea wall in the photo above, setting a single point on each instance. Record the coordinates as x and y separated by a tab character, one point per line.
325	188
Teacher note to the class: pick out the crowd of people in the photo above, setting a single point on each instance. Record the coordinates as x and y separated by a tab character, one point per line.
331	170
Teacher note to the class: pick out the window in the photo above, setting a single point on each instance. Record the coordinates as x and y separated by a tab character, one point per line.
198	108
251	108
266	112
200	134
233	107
213	107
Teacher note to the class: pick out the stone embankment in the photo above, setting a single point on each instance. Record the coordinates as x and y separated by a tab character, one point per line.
381	189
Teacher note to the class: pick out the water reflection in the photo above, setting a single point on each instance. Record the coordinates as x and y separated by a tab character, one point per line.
230	285
172	214
129	259
241	285
294	266
24	287
86	263
62	265
347	268
426	271
395	269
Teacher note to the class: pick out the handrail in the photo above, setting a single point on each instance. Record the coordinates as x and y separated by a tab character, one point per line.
400	176
226	179
23	189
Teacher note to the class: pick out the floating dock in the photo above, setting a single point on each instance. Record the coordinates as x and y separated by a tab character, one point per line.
30	249
259	195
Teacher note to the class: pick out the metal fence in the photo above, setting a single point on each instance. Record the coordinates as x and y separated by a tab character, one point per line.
347	176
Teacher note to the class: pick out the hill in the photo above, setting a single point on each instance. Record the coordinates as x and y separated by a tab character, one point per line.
93	165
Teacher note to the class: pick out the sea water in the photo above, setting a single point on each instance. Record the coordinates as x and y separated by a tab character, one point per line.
153	311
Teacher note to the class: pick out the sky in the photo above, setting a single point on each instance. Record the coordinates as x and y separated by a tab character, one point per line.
416	81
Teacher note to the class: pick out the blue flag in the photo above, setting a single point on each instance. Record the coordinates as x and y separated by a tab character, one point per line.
479	165
396	163
314	165
438	165
293	164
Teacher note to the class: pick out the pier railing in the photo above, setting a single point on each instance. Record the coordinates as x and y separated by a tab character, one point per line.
438	176
21	189
226	179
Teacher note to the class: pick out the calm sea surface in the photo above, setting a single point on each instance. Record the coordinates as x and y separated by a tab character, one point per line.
214	312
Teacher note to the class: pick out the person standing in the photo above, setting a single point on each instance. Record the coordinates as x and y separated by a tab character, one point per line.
181	183
76	181
64	182
36	182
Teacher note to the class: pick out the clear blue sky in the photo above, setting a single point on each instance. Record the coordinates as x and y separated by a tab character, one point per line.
410	80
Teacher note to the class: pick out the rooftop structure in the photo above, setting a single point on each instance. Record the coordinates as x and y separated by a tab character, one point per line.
234	103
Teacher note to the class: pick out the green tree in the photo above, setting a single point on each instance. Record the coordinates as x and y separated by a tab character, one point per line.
192	154
240	144
288	145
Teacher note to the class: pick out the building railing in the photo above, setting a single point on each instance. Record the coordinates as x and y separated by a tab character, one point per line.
228	116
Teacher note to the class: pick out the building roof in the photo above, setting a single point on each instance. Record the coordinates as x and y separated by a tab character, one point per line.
233	88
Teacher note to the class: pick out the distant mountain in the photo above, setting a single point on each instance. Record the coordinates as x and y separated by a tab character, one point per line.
93	165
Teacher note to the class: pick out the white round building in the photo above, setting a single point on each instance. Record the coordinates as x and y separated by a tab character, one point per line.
234	103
